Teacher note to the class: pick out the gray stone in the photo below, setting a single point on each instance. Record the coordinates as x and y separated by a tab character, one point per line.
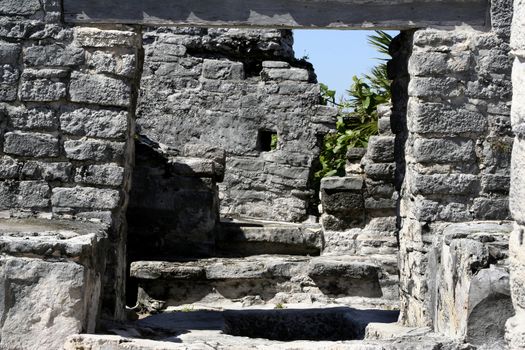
19	7
495	183
107	174
88	149
467	280
31	144
9	168
443	150
444	183
275	64
8	92
379	171
422	63
55	291
33	194
9	53
381	149
60	171
40	118
95	123
103	62
295	74
281	14
99	89
42	90
217	69
53	55
342	202
435	86
491	208
440	118
9	75
85	197
334	183
94	37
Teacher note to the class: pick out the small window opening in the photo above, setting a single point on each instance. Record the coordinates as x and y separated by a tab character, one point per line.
267	140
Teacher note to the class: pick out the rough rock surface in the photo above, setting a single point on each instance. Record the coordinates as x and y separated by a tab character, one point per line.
235	89
51	275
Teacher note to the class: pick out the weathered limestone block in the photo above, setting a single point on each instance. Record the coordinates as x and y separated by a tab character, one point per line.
20	7
336	183
9	53
99	89
53	55
473	283
47	171
424	64
295	74
219	69
435	87
491	208
103	174
100	123
381	149
342	196
39	118
441	118
98	150
44	85
94	37
51	277
443	183
102	62
24	194
85	197
31	144
443	150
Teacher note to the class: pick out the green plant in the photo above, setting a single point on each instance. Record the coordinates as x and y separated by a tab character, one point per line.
274	142
279	306
187	308
357	119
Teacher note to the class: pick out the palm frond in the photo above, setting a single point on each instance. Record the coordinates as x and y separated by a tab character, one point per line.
380	41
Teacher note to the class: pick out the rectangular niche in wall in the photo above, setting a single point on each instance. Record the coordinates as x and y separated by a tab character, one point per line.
267	140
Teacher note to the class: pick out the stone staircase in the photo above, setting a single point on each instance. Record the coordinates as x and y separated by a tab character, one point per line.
264	263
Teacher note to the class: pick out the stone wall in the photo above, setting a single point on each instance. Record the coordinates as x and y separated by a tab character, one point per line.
233	89
516	325
66	108
458	148
67	113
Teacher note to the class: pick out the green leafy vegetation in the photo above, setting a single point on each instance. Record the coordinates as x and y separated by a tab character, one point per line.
279	306
357	119
274	142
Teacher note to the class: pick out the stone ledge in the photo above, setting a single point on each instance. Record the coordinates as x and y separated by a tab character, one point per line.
51	238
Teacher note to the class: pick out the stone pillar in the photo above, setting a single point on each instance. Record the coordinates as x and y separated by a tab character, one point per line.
457	149
516	325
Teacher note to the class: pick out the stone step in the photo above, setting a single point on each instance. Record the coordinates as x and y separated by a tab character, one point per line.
259	280
246	237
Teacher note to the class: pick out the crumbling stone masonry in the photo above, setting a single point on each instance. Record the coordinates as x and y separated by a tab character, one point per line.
66	116
458	148
70	96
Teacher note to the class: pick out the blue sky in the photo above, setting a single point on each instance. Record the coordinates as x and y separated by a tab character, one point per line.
337	55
